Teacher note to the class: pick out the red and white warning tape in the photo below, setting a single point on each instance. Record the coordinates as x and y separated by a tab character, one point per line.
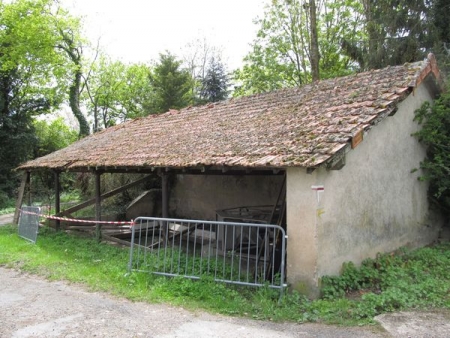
130	223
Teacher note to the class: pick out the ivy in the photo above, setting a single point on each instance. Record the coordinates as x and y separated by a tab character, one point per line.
435	134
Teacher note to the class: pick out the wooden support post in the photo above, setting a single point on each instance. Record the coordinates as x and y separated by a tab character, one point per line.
57	199
98	206
165	205
19	202
29	189
165	195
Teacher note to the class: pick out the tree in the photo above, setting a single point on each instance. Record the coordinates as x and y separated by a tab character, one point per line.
71	44
16	128
135	92
435	134
210	78
51	136
395	32
116	92
171	85
43	39
214	85
440	14
30	80
314	46
297	41
196	55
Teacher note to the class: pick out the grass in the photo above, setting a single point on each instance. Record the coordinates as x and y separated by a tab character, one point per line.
406	280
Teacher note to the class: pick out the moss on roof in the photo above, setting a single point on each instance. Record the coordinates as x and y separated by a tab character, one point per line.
303	127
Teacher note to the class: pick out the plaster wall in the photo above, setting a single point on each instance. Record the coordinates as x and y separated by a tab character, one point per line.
199	196
373	204
302	245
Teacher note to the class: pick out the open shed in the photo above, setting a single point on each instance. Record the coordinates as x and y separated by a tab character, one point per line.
344	146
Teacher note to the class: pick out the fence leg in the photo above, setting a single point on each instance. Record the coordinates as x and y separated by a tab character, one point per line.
130	263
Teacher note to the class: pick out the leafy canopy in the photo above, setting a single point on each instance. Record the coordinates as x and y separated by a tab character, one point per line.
31	81
53	135
115	91
281	54
214	85
395	32
171	85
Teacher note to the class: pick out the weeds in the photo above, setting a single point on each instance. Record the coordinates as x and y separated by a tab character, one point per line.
389	282
392	282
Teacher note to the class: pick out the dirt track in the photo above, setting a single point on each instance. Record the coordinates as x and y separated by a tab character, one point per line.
33	307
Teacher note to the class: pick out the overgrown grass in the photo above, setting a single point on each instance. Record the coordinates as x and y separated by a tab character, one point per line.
415	279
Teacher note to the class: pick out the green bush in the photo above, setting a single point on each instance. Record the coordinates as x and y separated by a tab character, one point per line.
435	134
4	200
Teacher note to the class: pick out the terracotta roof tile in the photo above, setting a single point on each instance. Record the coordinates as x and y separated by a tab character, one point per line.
291	127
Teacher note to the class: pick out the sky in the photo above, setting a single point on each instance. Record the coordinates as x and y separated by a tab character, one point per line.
138	30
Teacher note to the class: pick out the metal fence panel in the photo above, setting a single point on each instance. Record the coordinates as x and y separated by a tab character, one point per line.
238	253
29	223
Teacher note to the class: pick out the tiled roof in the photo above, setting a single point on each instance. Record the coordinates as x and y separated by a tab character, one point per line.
302	127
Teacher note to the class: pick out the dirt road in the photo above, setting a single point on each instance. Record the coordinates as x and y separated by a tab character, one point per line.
33	307
6	219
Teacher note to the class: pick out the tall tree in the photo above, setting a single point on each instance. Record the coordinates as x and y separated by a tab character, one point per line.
210	77
71	44
171	85
116	91
214	84
16	127
52	135
296	43
196	57
102	88
440	14
314	46
395	32
135	92
30	79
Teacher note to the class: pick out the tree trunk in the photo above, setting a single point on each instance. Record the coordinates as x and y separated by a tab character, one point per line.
74	102
314	42
74	53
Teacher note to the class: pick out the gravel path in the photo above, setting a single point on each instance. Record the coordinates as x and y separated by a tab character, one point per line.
34	307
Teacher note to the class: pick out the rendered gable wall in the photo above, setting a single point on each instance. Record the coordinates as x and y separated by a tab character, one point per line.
373	204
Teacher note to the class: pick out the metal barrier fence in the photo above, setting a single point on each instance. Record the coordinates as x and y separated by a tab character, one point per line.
238	253
29	223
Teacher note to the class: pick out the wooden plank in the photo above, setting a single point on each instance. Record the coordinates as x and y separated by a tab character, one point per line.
117	240
165	195
57	200
357	139
108	194
25	179
98	205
